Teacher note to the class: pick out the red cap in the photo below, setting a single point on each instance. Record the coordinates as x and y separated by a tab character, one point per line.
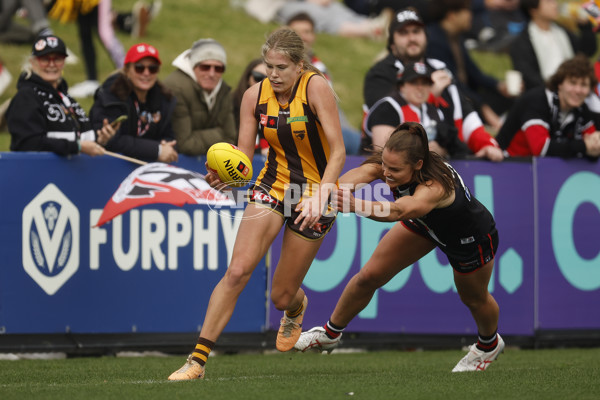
139	51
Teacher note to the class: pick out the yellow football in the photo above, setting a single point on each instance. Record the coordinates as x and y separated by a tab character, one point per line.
230	163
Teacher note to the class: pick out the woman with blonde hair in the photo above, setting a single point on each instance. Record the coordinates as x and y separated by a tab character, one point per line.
296	111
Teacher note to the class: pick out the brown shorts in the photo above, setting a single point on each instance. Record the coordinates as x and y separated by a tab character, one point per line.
260	197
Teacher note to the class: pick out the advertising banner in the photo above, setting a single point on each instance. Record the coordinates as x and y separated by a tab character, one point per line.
151	269
569	245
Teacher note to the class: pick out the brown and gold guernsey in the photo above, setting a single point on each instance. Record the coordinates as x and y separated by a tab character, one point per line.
299	150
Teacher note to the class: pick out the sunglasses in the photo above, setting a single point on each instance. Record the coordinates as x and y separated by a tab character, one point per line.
206	67
258	76
152	68
44	61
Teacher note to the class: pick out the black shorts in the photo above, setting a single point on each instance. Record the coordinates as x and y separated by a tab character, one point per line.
260	197
469	257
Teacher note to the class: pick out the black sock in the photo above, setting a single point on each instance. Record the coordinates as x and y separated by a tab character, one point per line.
487	343
332	330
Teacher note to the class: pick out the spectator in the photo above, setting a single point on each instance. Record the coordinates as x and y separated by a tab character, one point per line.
409	104
375	7
544	45
204	111
42	116
329	16
496	23
11	32
254	72
446	43
98	17
407	43
304	26
555	120
135	91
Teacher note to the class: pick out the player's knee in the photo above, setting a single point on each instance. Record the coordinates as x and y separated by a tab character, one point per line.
281	299
237	275
367	280
473	301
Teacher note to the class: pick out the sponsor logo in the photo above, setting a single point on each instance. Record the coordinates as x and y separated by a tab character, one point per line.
302	118
269	121
468	240
243	168
272	122
50	239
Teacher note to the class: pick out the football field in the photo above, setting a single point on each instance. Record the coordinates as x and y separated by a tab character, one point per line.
517	374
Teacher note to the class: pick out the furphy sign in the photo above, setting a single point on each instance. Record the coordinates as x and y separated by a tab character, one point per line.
51	239
59	273
143	241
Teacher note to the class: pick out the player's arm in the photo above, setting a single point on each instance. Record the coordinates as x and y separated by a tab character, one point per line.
425	199
248	124
324	104
360	176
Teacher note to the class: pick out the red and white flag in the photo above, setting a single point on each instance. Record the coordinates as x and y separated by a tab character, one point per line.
161	183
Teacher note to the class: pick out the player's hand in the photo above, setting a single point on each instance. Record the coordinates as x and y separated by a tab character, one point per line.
343	200
212	178
311	210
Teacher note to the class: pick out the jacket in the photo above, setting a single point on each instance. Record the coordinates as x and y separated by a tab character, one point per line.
116	97
196	127
41	118
525	61
534	127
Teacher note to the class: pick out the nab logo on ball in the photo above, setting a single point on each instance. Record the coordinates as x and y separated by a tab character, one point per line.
230	163
50	239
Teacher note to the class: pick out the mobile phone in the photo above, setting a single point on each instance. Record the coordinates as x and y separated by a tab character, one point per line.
118	120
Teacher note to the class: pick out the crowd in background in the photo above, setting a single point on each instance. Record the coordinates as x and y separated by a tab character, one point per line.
548	107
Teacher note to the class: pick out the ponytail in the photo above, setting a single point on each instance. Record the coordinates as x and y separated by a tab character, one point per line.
411	138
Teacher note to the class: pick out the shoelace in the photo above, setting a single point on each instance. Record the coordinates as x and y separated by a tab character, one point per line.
288	325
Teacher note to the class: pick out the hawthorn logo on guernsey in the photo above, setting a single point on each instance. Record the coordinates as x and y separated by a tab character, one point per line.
50	241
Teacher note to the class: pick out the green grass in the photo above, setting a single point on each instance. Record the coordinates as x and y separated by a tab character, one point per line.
518	374
182	22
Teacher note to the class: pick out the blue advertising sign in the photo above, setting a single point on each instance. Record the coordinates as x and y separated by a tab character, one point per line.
153	268
150	270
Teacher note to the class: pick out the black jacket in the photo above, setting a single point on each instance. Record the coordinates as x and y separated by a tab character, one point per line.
135	138
41	118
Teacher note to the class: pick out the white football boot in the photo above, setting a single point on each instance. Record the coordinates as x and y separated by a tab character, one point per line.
316	340
478	360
